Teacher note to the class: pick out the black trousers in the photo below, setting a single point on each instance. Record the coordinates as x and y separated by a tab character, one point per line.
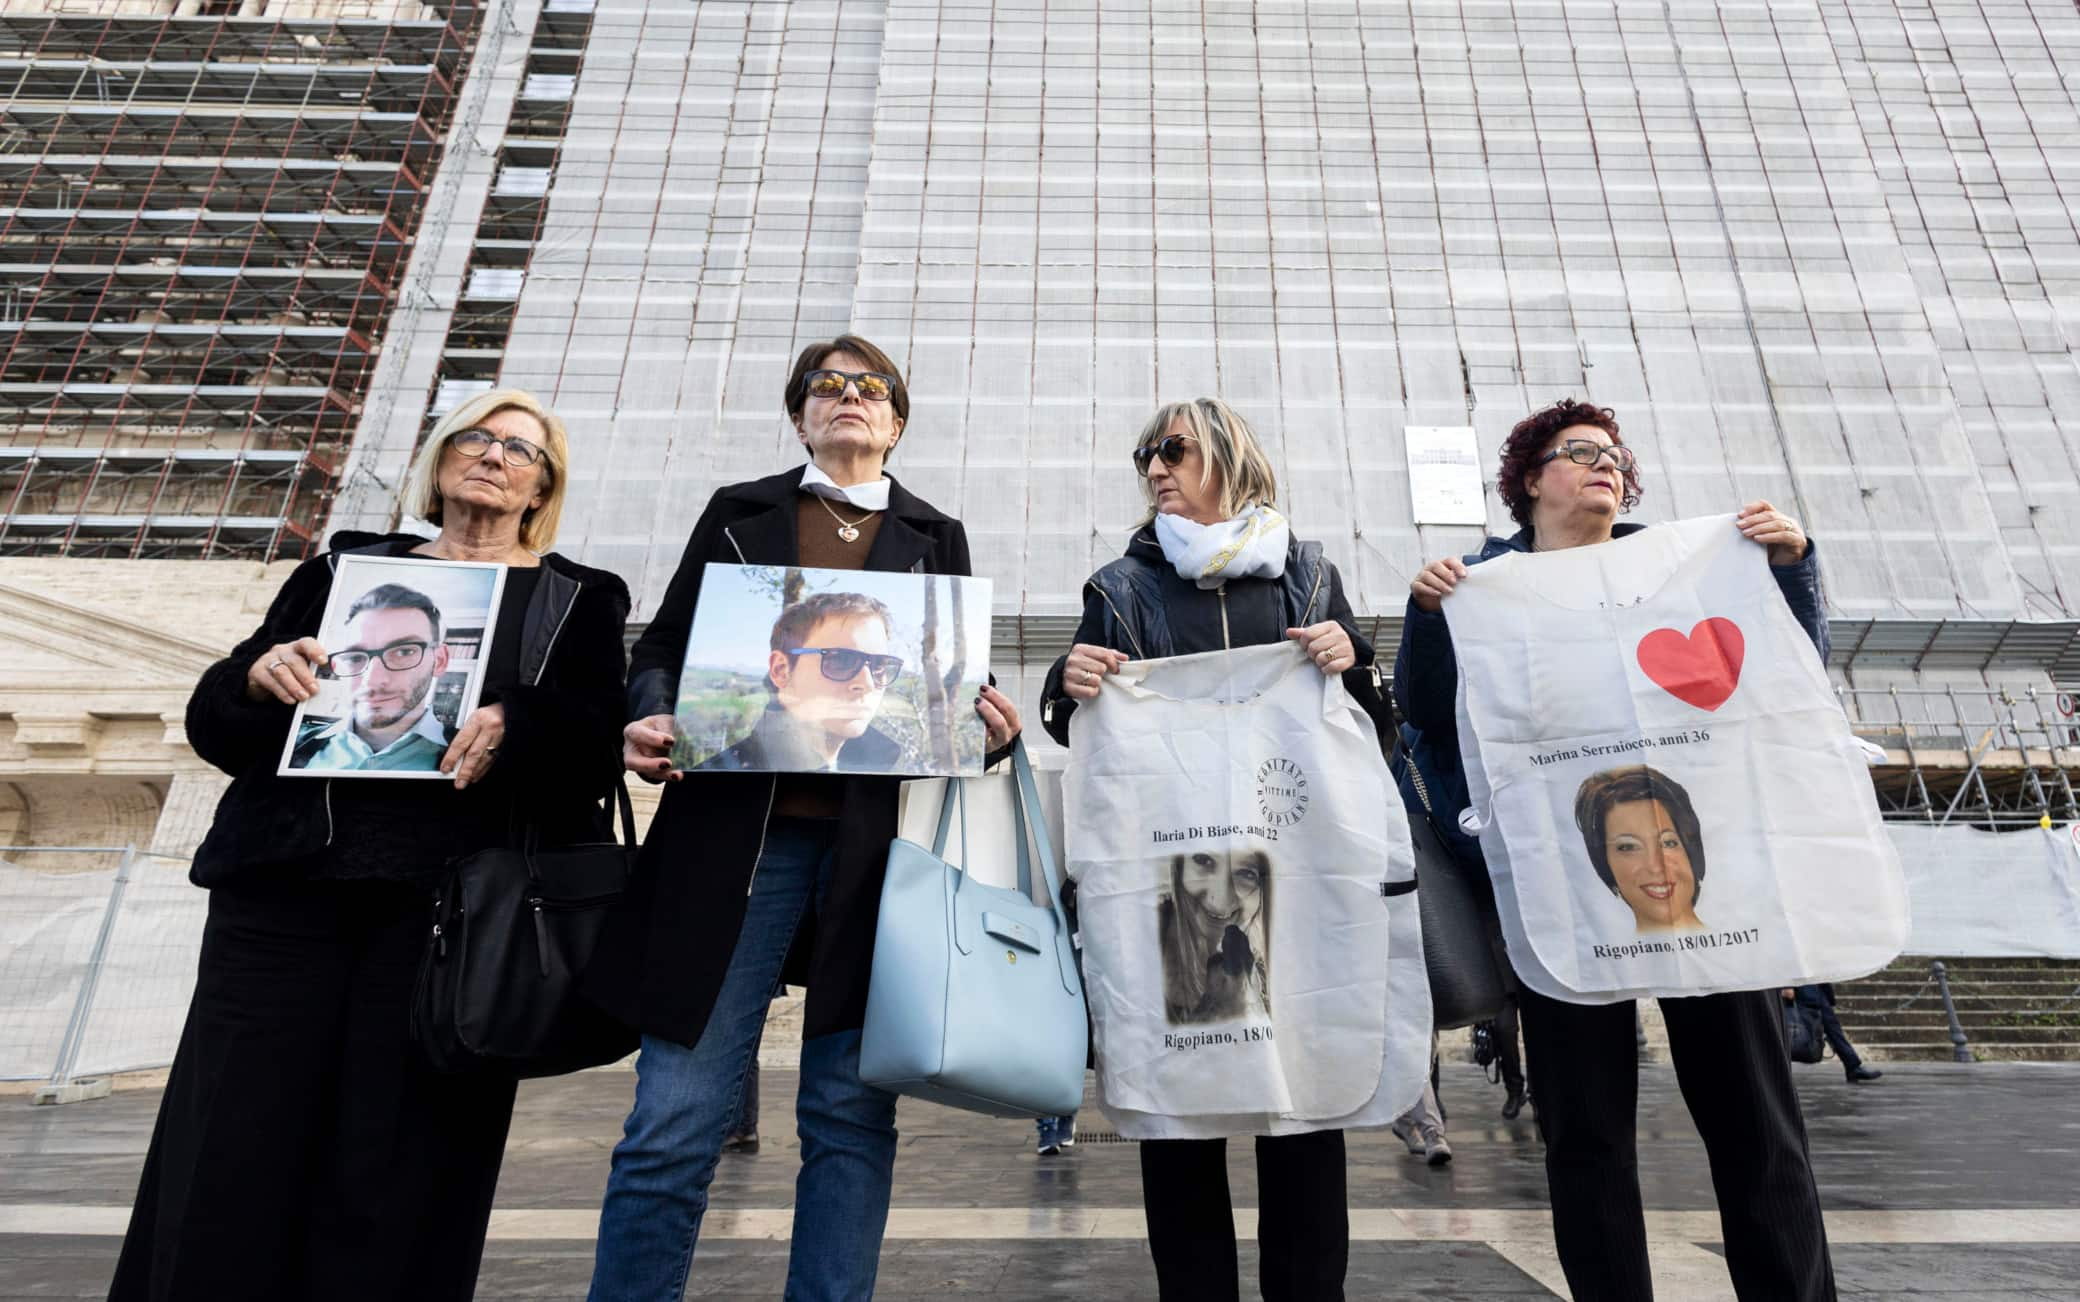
303	1149
1735	1075
1303	1219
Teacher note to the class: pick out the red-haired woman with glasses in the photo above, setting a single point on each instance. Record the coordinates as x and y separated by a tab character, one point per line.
1566	476
749	878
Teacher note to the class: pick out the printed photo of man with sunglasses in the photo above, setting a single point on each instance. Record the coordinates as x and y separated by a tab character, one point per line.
827	671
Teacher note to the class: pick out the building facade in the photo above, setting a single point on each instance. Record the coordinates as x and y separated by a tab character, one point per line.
1818	251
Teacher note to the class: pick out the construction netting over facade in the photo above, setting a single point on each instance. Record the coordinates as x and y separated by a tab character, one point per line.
1821	252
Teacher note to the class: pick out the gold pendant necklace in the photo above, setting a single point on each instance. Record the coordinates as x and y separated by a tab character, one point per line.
848	530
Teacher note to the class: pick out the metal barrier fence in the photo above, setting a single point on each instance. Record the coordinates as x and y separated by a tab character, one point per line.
97	961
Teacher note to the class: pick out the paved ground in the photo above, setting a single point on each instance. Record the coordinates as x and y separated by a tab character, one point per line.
1957	1182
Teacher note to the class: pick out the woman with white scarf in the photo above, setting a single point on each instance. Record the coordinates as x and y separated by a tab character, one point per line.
1214	566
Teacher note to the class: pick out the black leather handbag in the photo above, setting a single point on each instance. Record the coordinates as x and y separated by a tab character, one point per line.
1462	934
512	929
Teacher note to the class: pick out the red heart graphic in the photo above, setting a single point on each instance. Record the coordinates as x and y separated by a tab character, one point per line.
1701	669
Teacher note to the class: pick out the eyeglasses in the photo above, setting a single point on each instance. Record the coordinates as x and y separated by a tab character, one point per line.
1586	452
872	385
1170	448
842	664
398	655
476	442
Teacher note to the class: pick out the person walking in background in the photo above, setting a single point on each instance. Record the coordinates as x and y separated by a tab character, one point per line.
1422	1126
305	1148
1213	566
742	871
1509	1057
1820	999
1055	1134
1565	476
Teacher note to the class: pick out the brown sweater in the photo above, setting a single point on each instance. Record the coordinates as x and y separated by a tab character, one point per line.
816	795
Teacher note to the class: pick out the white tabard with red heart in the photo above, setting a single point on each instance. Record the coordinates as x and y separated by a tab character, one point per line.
1668	795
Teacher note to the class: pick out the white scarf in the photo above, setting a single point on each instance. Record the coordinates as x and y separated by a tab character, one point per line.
867	497
1252	545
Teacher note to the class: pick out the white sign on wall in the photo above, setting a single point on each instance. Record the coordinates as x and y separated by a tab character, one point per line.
1444	474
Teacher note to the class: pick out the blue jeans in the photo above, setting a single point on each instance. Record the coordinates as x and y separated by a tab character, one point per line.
686	1100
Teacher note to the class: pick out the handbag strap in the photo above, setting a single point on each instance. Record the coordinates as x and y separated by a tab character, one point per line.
1033	817
1032	821
628	813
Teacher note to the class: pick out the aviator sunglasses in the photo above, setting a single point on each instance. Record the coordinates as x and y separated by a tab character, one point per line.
1170	448
842	664
872	385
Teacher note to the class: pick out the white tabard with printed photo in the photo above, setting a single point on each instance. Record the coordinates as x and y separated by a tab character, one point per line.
1231	834
1668	796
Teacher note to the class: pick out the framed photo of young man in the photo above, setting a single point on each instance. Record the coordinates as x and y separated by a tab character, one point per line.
797	670
407	642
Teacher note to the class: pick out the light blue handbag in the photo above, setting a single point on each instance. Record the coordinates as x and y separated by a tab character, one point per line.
975	1000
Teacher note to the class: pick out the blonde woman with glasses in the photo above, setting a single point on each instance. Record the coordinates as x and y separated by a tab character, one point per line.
1211	567
304	1147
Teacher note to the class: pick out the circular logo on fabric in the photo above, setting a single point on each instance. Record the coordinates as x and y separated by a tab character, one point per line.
1281	791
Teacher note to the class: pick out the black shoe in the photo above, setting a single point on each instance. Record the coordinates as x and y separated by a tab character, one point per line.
1512	1105
1860	1073
745	1143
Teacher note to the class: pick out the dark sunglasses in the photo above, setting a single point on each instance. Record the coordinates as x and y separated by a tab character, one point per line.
1586	452
872	385
842	664
475	443
1170	448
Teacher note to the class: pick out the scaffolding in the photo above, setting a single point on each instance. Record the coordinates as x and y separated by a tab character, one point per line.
205	210
1995	758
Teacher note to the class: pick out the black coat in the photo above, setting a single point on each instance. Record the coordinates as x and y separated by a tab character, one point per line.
561	753
667	945
1141	605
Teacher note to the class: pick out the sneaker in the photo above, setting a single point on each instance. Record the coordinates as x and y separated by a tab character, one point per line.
1860	1073
1435	1150
744	1143
1068	1132
1405	1130
1049	1130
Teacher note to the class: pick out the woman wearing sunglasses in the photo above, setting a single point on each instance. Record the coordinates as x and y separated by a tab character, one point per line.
304	1148
1566	475
747	879
1214	566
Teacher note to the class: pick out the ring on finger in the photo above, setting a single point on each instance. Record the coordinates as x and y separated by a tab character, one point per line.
273	665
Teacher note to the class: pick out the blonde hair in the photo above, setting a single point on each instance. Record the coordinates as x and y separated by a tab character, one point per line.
422	489
1227	447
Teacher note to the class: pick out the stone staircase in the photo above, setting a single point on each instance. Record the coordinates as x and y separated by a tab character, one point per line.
2011	1008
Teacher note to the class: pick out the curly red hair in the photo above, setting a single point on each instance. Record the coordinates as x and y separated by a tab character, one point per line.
1534	436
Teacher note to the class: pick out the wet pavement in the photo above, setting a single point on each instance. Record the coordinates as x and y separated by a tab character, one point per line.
1961	1182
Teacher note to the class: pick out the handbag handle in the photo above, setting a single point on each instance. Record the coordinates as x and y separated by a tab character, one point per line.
531	838
1025	796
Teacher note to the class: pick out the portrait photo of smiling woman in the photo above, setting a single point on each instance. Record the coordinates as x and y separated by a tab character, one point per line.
1214	912
1645	843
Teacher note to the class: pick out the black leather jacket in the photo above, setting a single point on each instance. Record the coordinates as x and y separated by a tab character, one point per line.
1139	604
